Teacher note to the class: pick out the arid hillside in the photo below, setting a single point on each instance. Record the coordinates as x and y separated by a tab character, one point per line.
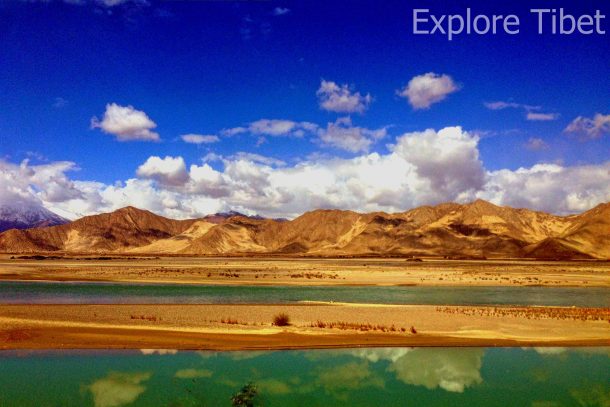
475	230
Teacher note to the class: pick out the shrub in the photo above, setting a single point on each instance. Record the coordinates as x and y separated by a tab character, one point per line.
281	320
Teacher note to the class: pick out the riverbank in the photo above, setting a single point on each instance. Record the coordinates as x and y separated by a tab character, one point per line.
302	271
232	327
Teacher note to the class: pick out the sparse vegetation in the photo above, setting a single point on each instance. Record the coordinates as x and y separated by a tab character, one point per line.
230	321
150	318
281	319
356	326
246	397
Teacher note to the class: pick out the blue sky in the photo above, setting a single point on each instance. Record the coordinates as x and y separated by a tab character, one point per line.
199	67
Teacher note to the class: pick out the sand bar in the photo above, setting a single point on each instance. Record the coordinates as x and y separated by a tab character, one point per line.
312	326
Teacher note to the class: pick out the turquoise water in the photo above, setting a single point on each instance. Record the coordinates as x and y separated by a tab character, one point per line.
103	293
536	377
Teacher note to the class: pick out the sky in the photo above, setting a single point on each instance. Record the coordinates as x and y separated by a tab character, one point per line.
275	108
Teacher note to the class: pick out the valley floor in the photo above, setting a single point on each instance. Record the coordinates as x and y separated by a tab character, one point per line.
310	271
312	325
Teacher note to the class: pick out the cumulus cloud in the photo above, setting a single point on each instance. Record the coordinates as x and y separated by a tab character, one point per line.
199	138
167	171
536	144
550	187
343	135
420	168
126	123
118	389
447	161
33	185
340	99
423	91
590	128
541	117
274	128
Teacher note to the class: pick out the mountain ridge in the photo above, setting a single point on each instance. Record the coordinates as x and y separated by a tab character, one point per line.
25	216
474	230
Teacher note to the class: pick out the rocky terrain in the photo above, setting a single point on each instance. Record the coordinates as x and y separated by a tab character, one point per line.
476	230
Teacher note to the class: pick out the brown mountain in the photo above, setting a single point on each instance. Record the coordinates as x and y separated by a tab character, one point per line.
472	230
116	231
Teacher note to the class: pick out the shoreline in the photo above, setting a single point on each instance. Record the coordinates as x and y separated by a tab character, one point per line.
161	282
246	327
311	272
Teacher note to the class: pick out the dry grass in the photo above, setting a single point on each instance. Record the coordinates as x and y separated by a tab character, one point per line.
151	318
230	321
565	313
356	326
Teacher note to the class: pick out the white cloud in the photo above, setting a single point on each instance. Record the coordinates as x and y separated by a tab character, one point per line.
532	112
501	105
343	135
421	168
550	187
274	128
544	117
590	128
536	144
257	158
60	103
340	99
169	171
423	91
280	11
126	123
33	185
199	138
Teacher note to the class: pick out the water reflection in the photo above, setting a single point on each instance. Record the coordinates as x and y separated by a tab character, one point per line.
340	381
159	351
193	373
355	377
449	369
118	388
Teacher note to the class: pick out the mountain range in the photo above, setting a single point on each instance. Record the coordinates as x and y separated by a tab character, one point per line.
25	216
474	230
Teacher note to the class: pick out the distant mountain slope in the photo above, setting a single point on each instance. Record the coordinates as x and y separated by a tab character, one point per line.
116	231
471	230
27	216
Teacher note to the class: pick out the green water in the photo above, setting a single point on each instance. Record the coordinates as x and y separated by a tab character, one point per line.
102	293
537	377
